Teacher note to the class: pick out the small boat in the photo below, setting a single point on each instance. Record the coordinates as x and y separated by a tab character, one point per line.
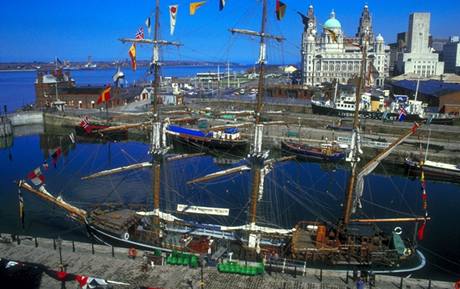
93	130
327	151
434	170
228	138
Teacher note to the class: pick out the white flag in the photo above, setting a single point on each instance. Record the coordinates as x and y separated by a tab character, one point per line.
172	17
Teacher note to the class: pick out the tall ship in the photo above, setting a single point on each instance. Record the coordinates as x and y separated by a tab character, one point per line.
346	244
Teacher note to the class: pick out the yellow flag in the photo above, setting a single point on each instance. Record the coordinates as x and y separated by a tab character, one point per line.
132	55
195	5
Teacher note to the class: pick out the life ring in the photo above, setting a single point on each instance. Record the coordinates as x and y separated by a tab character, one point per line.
407	252
132	252
125	236
398	230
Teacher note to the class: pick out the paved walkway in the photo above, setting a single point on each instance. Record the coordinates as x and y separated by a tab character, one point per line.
120	268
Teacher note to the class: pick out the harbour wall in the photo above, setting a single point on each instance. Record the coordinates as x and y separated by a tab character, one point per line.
113	263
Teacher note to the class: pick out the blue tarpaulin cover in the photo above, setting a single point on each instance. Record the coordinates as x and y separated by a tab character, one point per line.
231	130
188	131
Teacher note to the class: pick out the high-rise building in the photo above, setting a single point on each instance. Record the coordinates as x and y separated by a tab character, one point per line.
451	53
331	56
419	58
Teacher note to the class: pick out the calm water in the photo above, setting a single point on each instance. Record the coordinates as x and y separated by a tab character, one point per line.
293	190
17	88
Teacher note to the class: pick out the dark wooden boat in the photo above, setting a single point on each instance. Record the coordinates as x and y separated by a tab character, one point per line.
327	152
433	170
97	131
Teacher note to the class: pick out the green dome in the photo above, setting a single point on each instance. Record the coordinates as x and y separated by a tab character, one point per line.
332	24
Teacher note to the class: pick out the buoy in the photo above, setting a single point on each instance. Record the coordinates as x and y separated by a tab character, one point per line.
397	230
132	252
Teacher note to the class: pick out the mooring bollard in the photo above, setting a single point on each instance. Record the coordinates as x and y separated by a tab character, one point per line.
36	242
73	246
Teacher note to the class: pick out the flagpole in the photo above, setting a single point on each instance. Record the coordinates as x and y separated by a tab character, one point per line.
107	110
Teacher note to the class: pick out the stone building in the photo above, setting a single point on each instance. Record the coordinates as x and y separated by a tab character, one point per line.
419	58
451	53
326	58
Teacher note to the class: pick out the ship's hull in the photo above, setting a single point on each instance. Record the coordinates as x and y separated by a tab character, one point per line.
113	135
304	151
208	142
325	110
281	263
432	172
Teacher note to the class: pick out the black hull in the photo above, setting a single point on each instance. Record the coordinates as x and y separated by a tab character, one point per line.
200	142
323	110
437	174
111	239
413	263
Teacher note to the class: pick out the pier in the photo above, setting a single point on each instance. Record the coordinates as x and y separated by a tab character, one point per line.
113	263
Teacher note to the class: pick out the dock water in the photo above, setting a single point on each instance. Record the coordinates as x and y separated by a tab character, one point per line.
113	263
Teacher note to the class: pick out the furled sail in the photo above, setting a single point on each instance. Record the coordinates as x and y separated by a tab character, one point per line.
118	170
370	166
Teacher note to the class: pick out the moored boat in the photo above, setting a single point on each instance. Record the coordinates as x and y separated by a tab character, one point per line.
228	138
434	170
327	151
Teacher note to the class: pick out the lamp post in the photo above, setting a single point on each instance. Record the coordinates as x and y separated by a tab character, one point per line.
59	244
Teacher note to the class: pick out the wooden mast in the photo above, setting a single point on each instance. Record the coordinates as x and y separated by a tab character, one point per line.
355	140
257	163
262	59
257	156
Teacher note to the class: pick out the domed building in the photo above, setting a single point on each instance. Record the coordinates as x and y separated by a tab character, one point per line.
329	55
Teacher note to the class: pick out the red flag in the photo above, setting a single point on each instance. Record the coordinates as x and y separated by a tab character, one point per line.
414	127
105	95
36	177
55	155
280	9
421	231
82	280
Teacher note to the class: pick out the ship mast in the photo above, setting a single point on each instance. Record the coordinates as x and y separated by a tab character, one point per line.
258	157
158	141
355	149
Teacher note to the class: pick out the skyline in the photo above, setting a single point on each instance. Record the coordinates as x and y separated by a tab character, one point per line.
41	31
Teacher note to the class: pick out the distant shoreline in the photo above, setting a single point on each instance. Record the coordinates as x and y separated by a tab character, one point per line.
113	67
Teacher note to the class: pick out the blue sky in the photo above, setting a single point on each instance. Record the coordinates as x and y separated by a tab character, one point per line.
73	30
